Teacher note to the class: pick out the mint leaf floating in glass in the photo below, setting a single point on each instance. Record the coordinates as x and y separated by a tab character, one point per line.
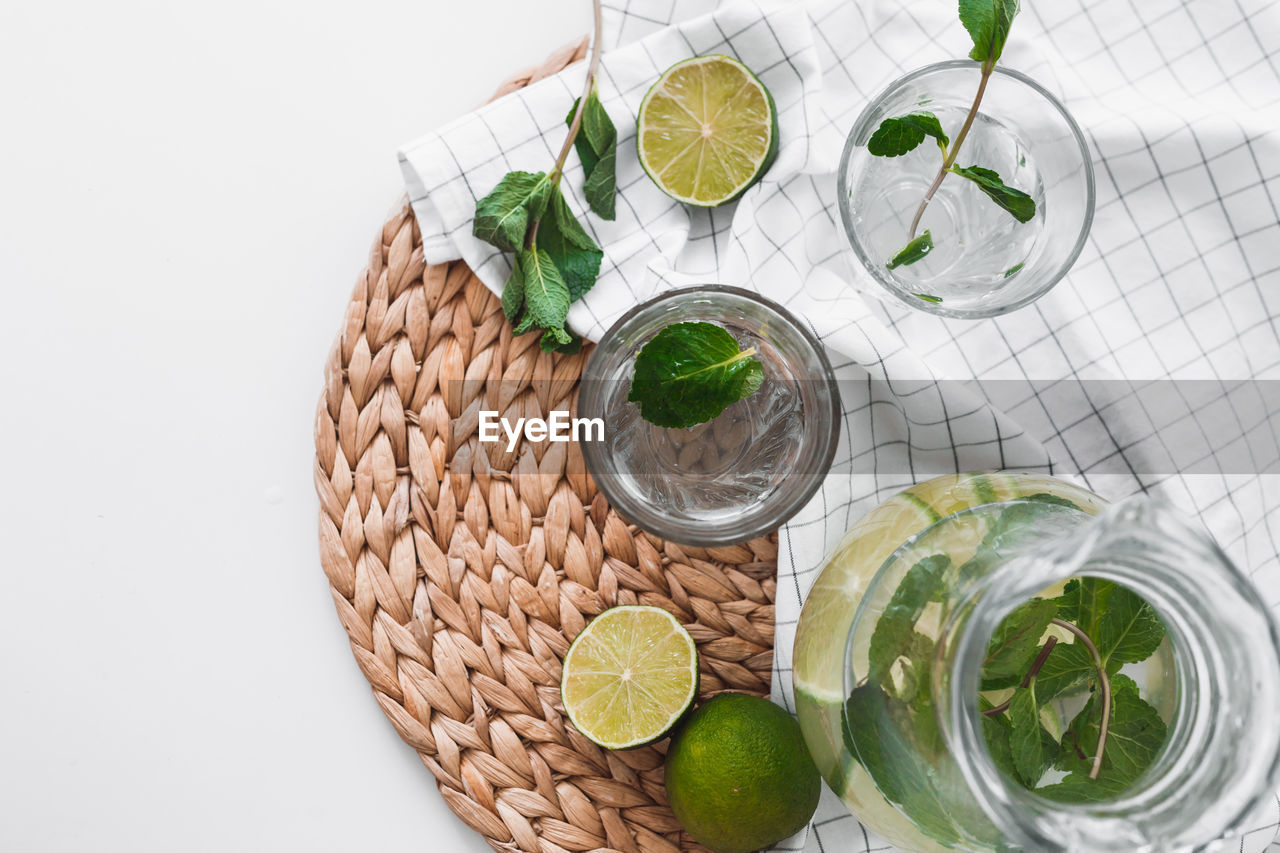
1129	631
1116	735
898	136
912	252
1034	749
1018	203
689	373
1015	643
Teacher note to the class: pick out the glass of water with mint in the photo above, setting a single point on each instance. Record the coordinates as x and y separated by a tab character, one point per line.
961	206
721	415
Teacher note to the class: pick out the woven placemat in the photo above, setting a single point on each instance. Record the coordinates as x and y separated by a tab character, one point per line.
461	572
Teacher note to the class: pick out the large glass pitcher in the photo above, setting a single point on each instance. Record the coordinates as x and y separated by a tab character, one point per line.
899	734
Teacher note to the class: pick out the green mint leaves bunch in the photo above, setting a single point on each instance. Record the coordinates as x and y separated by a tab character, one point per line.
891	721
555	261
689	373
988	23
1116	735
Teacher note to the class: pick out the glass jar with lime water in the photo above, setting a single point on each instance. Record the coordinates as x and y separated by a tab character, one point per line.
1023	666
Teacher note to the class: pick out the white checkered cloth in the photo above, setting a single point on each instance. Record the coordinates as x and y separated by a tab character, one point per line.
1180	278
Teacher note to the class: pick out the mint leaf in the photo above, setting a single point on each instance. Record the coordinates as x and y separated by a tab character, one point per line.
551	342
1018	203
513	292
503	216
916	671
1016	641
546	298
1068	665
1015	525
571	248
988	23
597	147
914	251
582	144
900	772
1046	498
689	373
1129	631
895	628
1013	270
927	298
1034	749
1083	601
1134	739
897	136
600	189
997	731
1079	788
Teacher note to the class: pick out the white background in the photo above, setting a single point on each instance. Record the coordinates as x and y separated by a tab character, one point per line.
187	192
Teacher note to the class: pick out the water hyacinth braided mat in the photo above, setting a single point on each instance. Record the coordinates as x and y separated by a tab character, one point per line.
461	572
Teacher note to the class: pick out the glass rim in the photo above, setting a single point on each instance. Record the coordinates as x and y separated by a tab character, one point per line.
842	190
766	516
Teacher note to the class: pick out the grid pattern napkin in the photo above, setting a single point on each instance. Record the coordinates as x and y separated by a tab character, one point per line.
1179	281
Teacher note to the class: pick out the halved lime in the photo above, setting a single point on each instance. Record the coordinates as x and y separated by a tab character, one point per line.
707	130
629	676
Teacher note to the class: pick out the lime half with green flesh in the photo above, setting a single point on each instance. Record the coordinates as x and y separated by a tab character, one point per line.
629	676
707	130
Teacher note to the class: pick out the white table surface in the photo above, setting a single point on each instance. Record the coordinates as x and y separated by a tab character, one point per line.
174	263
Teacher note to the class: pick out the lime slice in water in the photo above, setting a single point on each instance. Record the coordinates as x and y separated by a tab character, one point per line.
629	676
707	130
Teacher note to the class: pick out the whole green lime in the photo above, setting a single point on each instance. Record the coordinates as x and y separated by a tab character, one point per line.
738	774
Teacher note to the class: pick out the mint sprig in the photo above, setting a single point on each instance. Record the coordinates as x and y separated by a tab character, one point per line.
556	261
689	373
912	252
1116	736
988	23
1043	649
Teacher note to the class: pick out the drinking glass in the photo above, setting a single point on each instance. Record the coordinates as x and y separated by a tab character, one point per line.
984	261
745	472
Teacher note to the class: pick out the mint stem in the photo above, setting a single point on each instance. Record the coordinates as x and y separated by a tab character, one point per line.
987	68
1036	666
1105	725
593	65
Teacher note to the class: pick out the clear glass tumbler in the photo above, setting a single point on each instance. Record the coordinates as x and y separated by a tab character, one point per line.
740	475
984	261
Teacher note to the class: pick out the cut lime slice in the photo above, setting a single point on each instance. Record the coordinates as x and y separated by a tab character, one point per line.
707	130
629	676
